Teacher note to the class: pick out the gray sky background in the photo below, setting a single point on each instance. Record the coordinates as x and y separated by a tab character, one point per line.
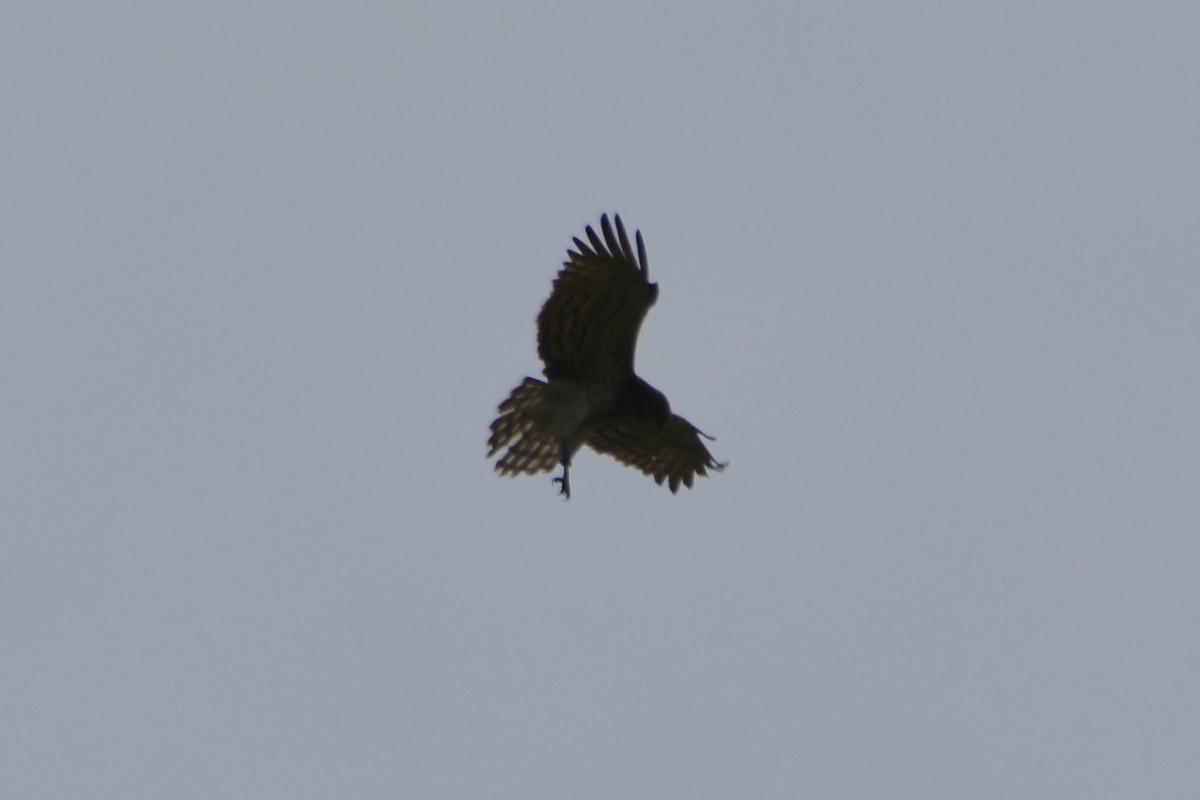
928	271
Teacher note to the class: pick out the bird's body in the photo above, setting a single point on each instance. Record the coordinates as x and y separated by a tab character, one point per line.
587	334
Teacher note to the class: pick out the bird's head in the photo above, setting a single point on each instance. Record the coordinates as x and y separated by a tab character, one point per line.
650	404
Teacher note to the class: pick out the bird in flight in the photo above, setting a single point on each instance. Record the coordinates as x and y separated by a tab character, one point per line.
587	333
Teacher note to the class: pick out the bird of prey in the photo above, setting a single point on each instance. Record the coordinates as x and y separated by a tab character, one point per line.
587	332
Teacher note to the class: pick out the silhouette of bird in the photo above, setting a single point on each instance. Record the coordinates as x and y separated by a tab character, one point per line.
587	333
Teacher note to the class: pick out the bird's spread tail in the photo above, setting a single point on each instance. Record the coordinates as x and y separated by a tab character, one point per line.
521	428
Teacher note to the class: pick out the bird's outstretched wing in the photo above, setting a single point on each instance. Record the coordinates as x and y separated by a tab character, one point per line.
589	326
673	453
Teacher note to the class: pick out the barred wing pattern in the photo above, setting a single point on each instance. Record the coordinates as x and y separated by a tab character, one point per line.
532	447
589	326
673	453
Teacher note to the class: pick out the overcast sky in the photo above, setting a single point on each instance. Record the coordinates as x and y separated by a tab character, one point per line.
927	271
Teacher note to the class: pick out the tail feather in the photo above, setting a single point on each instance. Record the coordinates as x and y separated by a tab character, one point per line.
520	427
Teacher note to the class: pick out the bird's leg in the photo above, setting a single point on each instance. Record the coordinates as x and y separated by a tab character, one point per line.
565	481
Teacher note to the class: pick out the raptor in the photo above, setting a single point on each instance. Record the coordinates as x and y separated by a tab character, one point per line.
586	334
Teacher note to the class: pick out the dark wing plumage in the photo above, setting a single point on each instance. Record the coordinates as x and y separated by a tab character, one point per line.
589	326
673	453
